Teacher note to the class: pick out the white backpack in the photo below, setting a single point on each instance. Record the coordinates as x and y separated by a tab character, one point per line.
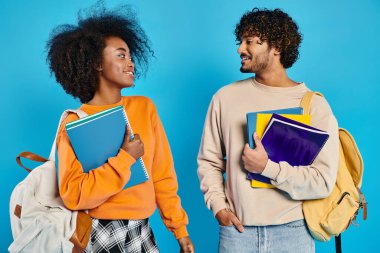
39	219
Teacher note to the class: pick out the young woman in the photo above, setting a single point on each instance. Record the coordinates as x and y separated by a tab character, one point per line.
94	61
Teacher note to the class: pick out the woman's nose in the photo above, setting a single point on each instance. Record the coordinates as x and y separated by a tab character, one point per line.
130	62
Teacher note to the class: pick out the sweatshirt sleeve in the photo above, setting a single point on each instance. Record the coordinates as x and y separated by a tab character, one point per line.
211	162
318	179
165	182
80	190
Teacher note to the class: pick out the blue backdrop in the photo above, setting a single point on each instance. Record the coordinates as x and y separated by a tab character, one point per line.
195	56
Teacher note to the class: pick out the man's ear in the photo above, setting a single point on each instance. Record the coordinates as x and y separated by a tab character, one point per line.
277	51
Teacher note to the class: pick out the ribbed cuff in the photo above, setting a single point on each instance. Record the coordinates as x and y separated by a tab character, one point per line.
217	205
271	170
127	159
180	232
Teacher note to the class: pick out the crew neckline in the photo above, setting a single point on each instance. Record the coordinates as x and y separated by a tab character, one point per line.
300	87
101	107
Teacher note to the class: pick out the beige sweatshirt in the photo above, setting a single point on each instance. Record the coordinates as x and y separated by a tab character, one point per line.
224	136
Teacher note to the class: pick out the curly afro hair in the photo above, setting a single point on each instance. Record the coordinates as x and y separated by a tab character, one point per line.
276	28
74	51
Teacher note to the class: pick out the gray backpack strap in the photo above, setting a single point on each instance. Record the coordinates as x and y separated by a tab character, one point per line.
80	114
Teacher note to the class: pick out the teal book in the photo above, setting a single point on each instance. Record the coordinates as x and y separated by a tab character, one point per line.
98	137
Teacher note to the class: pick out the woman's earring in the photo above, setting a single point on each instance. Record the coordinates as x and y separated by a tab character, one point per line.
99	69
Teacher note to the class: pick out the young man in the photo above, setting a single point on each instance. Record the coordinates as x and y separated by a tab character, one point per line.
252	219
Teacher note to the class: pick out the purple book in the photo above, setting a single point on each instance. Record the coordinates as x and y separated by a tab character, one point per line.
291	141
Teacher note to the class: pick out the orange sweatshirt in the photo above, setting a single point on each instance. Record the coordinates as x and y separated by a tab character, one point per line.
101	190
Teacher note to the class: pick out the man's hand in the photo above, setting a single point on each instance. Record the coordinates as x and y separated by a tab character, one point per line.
256	159
186	245
228	218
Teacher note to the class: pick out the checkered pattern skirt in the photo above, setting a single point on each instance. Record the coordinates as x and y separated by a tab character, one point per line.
129	236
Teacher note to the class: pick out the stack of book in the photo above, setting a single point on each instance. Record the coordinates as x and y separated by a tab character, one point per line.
287	136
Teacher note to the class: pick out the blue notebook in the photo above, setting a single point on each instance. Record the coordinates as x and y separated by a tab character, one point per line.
291	141
251	128
97	137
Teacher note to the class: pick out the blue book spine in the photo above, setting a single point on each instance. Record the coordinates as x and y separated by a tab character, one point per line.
139	173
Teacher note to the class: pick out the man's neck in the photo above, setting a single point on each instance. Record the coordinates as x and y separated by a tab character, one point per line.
275	78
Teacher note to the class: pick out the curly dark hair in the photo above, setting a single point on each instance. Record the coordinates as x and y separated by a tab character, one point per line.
275	27
74	51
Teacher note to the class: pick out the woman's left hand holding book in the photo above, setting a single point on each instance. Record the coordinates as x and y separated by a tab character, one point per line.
134	147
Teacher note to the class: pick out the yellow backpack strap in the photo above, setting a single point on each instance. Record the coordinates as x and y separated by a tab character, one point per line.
306	100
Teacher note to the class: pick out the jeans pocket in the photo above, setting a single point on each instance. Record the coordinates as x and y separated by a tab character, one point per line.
228	226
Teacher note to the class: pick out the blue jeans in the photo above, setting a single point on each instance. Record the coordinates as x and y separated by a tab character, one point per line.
292	237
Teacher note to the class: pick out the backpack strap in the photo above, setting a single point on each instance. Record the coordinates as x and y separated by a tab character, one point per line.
30	156
34	157
80	114
363	203
306	100
338	244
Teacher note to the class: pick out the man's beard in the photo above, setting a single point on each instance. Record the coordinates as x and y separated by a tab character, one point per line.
258	64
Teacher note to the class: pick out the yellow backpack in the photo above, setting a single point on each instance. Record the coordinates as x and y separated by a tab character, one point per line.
332	215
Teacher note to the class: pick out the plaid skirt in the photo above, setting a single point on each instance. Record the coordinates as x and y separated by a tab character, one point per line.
127	236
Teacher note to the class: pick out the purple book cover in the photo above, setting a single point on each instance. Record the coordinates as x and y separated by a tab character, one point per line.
291	141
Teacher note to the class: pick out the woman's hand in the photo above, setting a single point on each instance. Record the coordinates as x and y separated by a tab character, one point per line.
134	147
186	245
